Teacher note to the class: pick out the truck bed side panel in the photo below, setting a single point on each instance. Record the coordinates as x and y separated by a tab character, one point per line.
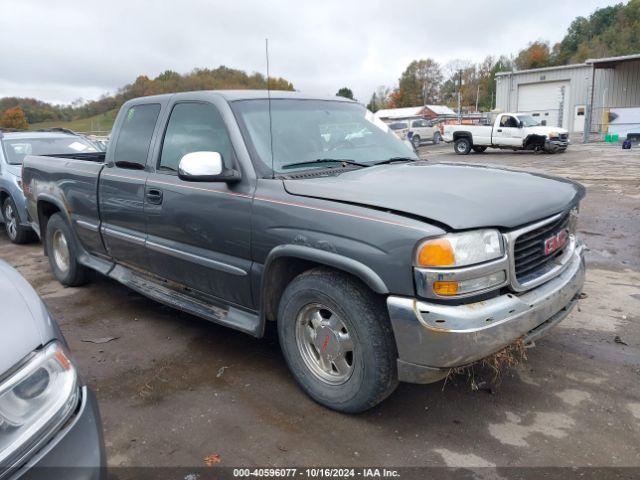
72	186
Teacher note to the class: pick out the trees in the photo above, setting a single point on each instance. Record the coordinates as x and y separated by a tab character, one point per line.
379	99
536	55
14	118
345	92
420	83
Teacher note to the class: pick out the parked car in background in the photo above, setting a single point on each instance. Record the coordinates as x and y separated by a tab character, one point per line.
515	131
14	146
421	130
49	421
309	212
400	128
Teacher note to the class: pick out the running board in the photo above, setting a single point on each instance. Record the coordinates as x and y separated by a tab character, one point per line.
156	289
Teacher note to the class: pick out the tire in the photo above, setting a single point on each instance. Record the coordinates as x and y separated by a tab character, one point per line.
16	232
354	368
479	149
416	141
462	146
62	251
437	138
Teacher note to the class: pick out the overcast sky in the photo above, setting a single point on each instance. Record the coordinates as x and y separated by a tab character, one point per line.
61	50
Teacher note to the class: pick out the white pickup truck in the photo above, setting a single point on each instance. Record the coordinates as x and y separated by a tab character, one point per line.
515	131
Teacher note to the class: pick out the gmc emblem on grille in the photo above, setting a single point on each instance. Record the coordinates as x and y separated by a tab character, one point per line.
556	242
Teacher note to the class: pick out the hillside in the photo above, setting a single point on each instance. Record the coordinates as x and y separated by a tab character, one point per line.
96	124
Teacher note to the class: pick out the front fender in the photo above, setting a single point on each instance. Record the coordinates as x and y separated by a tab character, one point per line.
330	259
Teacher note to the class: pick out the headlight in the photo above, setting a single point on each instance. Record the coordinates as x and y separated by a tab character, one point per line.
553	135
461	249
461	264
35	400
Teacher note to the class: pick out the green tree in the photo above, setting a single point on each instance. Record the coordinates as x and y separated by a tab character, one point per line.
419	83
14	118
345	92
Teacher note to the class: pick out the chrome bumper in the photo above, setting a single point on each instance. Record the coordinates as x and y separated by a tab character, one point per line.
432	337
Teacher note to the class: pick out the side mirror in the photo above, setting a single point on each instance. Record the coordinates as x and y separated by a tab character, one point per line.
543	123
520	124
205	167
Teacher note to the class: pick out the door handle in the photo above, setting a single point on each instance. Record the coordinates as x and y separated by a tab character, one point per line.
499	130
154	196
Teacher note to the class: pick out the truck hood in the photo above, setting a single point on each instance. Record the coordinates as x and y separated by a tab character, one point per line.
24	323
546	130
458	196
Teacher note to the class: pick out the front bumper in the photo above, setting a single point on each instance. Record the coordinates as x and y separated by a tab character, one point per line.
432	338
75	453
555	145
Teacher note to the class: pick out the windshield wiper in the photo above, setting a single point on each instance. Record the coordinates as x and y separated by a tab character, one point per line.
322	160
395	159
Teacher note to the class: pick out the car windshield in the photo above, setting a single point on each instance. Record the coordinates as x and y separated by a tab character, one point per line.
311	130
528	121
16	149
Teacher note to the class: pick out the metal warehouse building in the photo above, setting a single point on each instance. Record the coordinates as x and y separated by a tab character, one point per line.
598	97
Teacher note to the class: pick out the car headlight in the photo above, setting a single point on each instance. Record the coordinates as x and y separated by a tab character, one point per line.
553	135
461	264
35	400
461	249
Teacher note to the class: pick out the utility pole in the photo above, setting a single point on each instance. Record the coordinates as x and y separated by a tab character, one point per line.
459	96
477	96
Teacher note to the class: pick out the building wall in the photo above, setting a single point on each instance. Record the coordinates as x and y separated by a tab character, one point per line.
620	87
578	76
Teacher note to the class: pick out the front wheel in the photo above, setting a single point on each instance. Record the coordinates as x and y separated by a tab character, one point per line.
16	232
416	141
63	253
462	146
336	337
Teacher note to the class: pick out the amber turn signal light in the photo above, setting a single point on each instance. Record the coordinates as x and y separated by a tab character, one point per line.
436	253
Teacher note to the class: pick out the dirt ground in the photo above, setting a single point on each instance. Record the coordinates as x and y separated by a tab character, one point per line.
174	389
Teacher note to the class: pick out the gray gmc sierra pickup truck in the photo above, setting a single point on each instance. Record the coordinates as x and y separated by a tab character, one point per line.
308	212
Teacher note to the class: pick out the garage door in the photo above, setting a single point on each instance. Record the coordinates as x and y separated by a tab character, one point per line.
545	101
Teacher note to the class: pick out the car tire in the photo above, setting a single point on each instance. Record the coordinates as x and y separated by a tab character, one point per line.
16	232
62	251
479	149
336	337
416	141
437	138
462	146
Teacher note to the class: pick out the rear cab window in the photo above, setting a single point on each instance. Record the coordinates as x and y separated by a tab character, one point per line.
136	132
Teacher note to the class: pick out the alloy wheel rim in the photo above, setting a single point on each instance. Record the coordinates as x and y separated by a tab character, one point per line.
325	344
461	146
60	251
11	221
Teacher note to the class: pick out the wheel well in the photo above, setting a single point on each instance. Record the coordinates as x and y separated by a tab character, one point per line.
459	135
45	211
3	196
280	273
535	140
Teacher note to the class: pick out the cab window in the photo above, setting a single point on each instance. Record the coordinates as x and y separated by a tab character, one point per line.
135	135
194	127
509	122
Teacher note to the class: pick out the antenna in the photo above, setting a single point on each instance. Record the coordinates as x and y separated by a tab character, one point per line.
266	45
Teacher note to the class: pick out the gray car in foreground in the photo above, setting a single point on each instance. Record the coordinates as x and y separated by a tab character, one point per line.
311	214
49	421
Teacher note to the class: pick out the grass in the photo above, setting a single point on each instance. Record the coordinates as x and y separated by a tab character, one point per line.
98	123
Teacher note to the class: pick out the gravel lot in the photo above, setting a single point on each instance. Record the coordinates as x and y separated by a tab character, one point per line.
174	389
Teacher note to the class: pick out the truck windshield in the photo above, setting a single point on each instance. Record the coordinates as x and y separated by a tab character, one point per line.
528	121
307	130
16	149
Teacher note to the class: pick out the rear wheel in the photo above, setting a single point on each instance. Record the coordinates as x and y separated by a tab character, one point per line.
462	146
479	149
337	339
416	141
16	232
63	253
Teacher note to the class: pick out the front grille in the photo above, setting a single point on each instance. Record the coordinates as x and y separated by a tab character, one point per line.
529	258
